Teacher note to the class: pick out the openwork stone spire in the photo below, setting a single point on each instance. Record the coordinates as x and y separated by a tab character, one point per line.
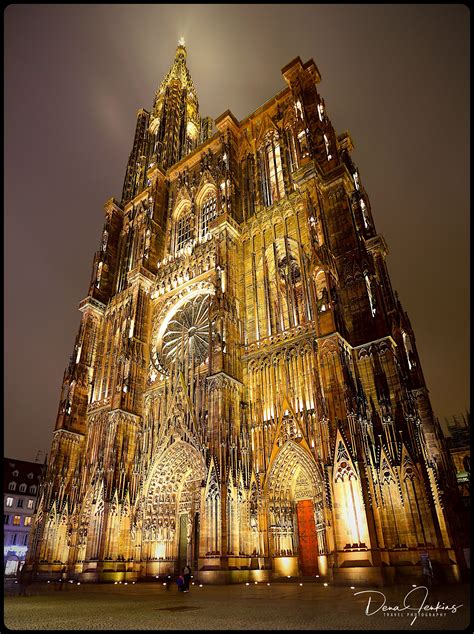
175	123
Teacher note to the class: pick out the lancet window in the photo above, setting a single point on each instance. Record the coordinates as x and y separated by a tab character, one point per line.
208	213
271	170
183	230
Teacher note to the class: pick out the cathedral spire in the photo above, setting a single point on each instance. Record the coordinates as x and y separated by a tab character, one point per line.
175	124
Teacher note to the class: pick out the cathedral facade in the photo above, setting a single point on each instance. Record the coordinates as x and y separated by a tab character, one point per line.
245	393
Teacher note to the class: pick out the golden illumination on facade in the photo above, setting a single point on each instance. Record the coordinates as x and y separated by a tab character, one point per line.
245	393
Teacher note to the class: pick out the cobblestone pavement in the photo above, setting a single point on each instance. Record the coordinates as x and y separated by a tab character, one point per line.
280	606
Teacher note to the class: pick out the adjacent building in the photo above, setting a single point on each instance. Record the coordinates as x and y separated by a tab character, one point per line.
459	444
21	481
245	392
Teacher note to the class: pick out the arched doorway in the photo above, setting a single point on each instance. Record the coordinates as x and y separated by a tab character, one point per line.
172	505
294	494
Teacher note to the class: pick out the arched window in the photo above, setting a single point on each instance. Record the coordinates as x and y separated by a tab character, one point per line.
271	170
33	488
208	213
12	486
99	274
183	230
22	488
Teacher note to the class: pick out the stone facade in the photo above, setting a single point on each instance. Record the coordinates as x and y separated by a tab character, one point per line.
245	392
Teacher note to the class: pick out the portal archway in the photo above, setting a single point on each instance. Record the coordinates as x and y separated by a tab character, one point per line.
294	492
172	506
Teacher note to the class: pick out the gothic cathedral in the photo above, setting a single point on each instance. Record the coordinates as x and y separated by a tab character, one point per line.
245	393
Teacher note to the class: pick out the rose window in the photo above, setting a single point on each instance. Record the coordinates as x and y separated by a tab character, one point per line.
187	333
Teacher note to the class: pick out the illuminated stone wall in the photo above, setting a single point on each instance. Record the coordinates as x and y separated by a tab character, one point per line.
241	355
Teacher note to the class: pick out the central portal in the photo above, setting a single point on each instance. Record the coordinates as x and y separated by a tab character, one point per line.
293	488
308	541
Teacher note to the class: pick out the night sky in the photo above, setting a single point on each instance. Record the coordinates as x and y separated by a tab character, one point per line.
395	76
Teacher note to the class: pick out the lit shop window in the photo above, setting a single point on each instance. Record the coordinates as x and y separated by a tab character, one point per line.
16	520
9	502
27	521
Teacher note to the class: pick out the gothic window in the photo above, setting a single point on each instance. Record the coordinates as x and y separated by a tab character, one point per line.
30	504
322	293
298	109
208	213
271	170
9	502
326	143
356	180
99	274
290	140
32	488
303	143
12	486
249	185
105	237
22	488
370	293
365	215
147	243
183	230
408	350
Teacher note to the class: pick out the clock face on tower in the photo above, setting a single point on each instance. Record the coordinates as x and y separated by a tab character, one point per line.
185	335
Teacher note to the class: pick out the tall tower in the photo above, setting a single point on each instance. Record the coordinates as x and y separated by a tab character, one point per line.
245	393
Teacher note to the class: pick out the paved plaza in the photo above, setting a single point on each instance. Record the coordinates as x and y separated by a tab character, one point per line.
279	606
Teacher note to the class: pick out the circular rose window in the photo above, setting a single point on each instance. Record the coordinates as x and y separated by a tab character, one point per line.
186	336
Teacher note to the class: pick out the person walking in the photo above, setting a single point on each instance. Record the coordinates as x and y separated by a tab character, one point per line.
24	581
427	569
62	578
186	577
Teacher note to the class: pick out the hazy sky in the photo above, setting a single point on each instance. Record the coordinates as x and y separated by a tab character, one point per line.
395	76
